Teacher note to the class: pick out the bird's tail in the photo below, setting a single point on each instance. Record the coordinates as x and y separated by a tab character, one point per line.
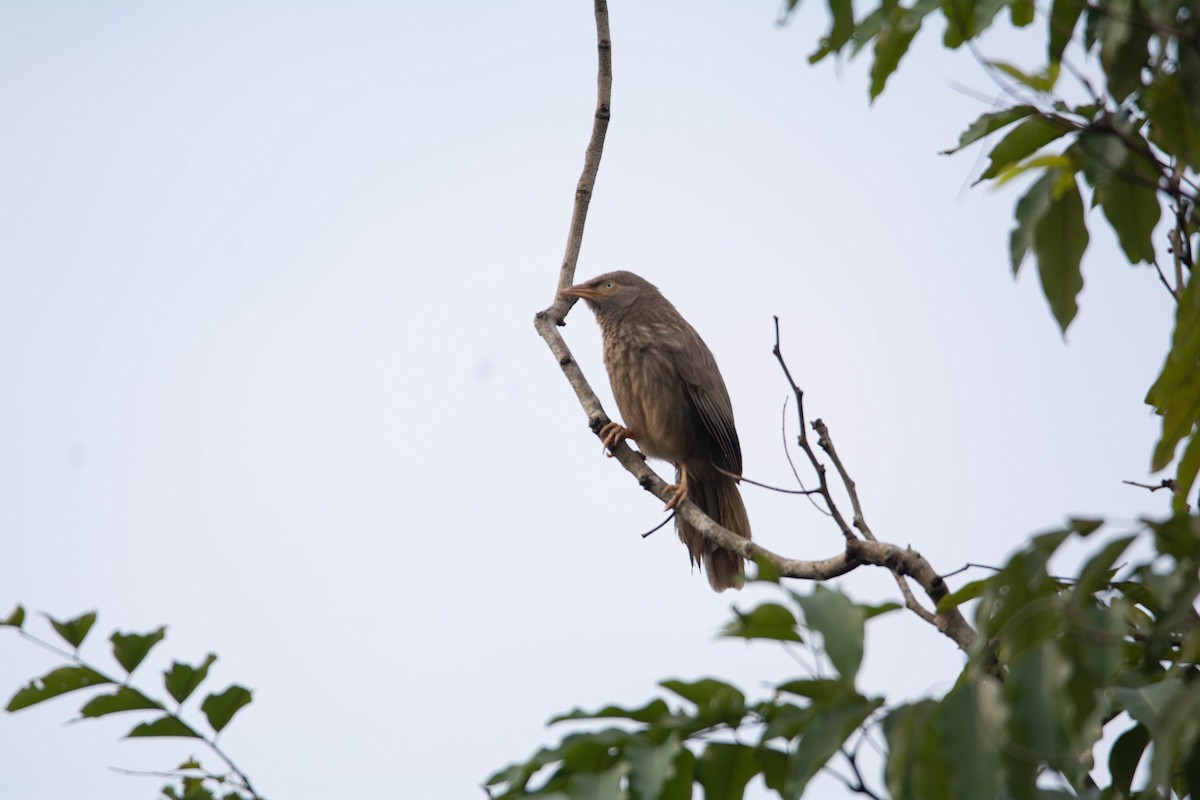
717	496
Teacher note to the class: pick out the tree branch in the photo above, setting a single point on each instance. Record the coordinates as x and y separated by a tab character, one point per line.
900	561
591	166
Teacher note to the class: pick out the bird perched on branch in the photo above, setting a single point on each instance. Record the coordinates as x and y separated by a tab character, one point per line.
675	406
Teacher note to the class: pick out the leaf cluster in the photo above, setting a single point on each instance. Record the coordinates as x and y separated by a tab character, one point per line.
716	738
1132	150
118	695
1061	663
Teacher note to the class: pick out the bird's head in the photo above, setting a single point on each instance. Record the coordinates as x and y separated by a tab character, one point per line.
612	294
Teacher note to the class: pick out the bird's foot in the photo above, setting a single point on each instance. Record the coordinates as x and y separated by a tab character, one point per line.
678	495
612	435
679	491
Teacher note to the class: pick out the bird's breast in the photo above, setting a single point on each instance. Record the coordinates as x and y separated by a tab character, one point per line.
653	400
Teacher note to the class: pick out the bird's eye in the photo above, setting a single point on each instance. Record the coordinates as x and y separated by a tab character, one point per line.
609	285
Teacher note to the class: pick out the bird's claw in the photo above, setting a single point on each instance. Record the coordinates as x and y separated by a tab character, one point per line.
612	435
678	495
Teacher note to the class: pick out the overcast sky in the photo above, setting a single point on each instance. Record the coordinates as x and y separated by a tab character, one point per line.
267	279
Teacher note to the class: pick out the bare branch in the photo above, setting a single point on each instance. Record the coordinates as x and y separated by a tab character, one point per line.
1167	483
744	479
970	565
787	452
826	444
591	166
670	517
901	561
802	441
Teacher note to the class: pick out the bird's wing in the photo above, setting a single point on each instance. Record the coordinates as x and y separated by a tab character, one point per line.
699	371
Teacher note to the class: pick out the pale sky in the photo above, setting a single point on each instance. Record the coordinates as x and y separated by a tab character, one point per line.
267	280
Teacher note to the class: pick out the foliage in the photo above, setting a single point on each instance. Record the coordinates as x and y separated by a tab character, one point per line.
1132	146
1061	663
119	695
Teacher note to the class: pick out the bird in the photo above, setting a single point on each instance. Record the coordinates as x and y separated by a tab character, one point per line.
675	406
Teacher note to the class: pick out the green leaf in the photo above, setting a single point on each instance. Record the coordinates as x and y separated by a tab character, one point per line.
1125	189
825	734
54	683
168	725
842	14
841	624
16	619
960	19
971	716
890	46
74	630
768	621
767	571
1174	121
1036	694
965	594
725	769
651	765
815	688
1178	537
990	123
1060	238
1176	392
182	679
1084	526
220	708
1021	12
1098	571
1030	209
679	785
131	648
652	713
125	698
1149	704
716	701
1123	52
1043	82
603	785
1185	474
1064	16
916	768
1124	757
1024	140
881	609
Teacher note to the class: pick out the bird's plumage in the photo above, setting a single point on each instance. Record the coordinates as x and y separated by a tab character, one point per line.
674	404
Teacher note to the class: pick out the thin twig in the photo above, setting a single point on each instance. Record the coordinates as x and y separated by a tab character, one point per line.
591	165
826	444
802	441
1164	280
1167	483
861	786
970	565
743	478
787	452
670	517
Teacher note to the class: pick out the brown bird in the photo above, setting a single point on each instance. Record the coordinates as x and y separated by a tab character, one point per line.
675	406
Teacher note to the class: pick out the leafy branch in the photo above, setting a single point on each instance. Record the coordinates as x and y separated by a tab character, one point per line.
1071	675
1134	147
180	682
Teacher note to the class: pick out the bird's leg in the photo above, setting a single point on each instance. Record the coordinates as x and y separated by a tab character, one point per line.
680	489
613	434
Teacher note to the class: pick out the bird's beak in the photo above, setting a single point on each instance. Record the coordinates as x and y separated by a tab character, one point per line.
580	290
